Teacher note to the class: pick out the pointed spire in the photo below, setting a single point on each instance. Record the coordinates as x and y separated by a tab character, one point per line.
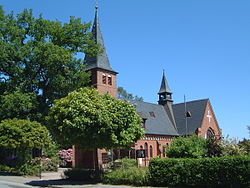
101	61
164	85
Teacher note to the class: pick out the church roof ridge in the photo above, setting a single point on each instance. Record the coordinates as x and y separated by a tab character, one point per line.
197	100
134	101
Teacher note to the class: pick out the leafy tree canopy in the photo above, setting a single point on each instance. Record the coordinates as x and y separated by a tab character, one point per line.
18	105
23	134
123	94
40	56
91	120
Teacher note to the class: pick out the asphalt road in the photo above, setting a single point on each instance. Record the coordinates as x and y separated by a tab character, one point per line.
12	185
48	180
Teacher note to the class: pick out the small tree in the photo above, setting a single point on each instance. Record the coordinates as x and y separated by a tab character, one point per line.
21	136
190	147
91	120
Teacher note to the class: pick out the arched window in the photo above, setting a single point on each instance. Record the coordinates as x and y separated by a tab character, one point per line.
104	79
109	80
209	133
146	149
151	151
141	147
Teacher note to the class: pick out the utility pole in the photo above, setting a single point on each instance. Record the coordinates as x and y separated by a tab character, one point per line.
185	104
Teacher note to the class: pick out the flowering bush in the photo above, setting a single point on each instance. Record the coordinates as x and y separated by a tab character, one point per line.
66	156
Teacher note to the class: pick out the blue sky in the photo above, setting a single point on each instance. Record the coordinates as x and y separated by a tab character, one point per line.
203	45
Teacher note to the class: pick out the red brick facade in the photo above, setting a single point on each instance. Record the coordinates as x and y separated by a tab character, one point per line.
154	145
209	124
104	81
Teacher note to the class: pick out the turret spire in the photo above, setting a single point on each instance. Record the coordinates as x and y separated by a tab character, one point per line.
165	98
164	85
101	60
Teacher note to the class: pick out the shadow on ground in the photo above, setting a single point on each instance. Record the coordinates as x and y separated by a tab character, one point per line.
8	174
47	183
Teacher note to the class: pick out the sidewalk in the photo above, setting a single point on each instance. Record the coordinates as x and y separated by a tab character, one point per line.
52	179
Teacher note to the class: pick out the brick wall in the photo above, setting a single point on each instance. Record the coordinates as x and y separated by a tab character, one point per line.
97	81
209	123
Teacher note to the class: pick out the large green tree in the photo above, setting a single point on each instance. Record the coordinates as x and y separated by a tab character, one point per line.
42	56
91	120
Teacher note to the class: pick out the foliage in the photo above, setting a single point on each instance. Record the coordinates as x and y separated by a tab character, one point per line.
23	134
18	139
205	172
51	150
224	147
18	105
230	147
40	56
245	145
29	168
86	118
127	173
5	168
197	147
127	176
123	94
48	164
127	163
190	147
78	174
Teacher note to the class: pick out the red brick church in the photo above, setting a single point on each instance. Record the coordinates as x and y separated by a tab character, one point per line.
162	121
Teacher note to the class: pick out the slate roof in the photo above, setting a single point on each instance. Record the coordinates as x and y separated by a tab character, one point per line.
164	85
160	124
102	60
197	109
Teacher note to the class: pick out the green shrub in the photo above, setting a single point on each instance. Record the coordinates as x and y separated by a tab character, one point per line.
48	164
5	168
125	163
79	174
206	172
188	147
29	169
127	176
125	171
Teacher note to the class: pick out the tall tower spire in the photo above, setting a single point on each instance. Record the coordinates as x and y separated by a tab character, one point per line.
101	60
103	77
165	94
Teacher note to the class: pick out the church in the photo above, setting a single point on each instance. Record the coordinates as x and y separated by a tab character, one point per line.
162	121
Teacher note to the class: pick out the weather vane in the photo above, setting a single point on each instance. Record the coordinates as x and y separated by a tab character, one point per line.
96	4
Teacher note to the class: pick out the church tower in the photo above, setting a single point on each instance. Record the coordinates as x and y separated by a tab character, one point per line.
103	77
165	98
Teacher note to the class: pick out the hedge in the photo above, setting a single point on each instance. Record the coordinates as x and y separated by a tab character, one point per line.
131	176
205	172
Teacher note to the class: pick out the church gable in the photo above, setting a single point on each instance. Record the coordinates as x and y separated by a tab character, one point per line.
196	109
209	126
